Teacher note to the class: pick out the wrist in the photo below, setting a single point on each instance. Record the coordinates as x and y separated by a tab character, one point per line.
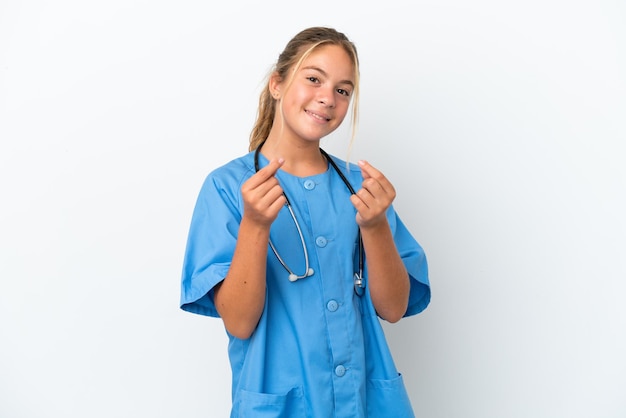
374	228
252	228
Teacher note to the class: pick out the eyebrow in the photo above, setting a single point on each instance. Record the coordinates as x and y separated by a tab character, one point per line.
326	75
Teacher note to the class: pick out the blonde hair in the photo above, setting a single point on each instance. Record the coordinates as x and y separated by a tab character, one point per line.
296	51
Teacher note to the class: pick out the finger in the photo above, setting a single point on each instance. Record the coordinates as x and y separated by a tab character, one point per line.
264	194
373	187
273	202
371	205
369	172
277	204
373	198
267	172
363	213
364	172
358	203
264	202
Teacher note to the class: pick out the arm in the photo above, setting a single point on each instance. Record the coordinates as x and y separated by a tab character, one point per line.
240	297
387	277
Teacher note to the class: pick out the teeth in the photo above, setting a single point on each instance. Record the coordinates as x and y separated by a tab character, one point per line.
319	117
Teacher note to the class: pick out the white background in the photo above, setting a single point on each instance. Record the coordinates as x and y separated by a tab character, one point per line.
501	124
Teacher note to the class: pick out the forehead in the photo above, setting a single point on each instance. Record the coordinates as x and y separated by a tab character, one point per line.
333	60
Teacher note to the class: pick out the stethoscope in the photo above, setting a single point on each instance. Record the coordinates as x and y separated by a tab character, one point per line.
359	285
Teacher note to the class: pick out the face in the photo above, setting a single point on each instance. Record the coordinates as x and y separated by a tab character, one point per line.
316	102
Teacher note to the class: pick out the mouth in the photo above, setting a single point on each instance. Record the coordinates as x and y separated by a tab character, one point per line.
319	116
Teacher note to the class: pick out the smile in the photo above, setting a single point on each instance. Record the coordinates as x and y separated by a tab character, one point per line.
317	116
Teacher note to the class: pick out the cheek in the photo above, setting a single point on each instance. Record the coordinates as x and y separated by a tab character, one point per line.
342	110
294	100
302	96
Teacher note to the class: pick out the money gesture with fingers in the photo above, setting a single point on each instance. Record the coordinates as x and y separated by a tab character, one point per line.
374	197
263	195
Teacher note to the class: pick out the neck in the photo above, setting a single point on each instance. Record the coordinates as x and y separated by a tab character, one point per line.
301	159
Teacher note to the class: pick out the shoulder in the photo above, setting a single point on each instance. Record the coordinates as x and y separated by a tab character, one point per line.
233	172
227	179
236	168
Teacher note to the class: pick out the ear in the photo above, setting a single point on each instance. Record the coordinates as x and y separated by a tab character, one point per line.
275	85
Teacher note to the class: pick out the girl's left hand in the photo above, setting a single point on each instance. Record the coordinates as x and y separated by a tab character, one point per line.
374	198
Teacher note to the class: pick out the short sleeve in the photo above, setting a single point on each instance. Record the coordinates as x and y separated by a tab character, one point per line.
212	239
415	262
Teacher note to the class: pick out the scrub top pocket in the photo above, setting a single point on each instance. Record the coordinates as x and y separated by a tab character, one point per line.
265	405
388	399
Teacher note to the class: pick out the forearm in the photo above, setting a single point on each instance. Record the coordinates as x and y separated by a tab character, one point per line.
240	298
388	279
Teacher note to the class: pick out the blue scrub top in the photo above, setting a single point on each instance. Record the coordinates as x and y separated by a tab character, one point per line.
319	349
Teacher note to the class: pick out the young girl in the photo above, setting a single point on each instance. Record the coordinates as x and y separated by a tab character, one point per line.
300	254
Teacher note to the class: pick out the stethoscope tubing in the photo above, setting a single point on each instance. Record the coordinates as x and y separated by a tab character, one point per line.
359	285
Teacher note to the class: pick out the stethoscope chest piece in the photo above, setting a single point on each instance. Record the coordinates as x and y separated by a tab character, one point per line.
359	286
293	277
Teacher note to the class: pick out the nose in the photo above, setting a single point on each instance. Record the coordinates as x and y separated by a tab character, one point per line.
326	97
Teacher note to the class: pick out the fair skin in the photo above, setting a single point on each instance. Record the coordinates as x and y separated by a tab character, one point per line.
313	106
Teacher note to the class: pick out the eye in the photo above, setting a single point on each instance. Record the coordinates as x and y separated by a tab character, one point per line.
313	79
343	92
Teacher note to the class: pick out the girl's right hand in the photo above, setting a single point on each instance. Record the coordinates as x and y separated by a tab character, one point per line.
262	195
